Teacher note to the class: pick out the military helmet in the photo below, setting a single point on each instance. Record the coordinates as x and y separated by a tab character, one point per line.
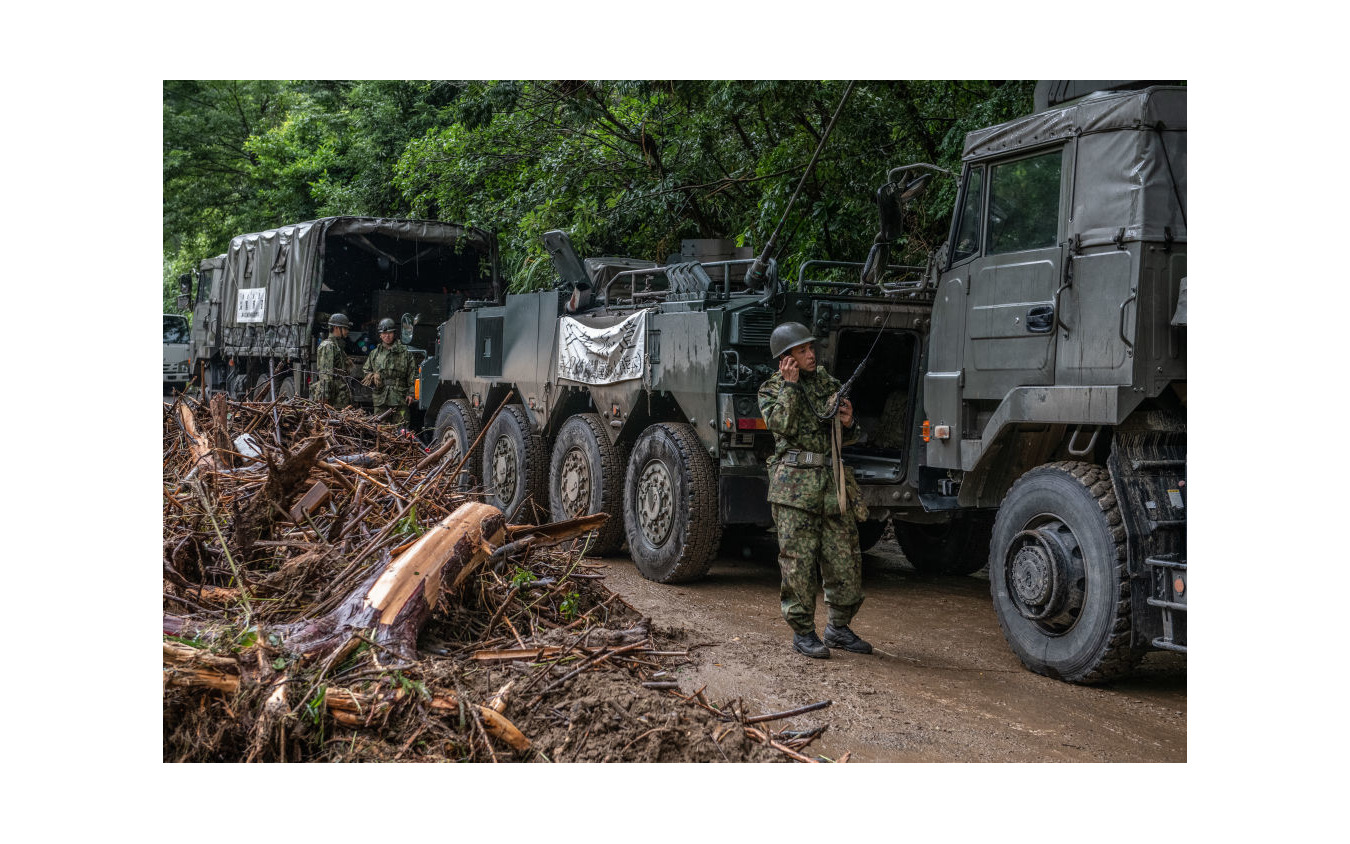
339	321
387	324
789	336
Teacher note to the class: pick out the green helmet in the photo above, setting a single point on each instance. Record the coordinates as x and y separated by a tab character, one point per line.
387	325
789	336
339	321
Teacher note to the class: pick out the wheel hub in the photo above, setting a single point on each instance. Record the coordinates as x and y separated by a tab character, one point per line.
504	469
575	483
455	452
1044	575
655	502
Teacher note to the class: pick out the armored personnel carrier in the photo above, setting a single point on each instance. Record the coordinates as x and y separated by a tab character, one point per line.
631	388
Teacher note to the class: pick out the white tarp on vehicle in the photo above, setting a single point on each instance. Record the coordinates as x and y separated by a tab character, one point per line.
602	354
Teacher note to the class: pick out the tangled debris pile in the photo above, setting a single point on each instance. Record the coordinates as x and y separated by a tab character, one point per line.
331	594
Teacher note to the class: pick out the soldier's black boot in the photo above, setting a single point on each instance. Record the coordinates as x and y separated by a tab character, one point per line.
842	637
810	644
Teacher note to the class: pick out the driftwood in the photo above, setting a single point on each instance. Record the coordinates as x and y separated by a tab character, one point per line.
387	611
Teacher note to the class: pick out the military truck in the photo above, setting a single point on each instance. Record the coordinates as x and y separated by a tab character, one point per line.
631	389
261	309
1054	393
1025	409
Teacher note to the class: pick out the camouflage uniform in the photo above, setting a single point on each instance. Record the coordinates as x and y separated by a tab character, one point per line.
397	369
813	536
334	367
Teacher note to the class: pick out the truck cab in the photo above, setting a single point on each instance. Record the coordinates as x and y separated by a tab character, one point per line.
1054	397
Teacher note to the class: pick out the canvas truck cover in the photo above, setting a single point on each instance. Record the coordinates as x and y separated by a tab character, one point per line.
1127	152
271	280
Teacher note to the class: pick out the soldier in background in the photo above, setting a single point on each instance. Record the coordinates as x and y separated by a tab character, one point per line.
816	536
334	365
390	371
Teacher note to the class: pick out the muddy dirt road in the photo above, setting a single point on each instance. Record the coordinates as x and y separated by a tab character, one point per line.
941	687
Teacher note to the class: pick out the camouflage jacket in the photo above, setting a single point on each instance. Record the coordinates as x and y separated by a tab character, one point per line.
788	414
334	370
397	369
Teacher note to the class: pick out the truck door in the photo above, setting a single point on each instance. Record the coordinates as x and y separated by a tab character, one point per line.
1010	311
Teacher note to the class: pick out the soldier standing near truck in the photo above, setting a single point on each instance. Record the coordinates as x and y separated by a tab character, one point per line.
390	370
817	526
334	365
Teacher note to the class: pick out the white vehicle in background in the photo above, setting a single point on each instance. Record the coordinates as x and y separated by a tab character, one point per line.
176	351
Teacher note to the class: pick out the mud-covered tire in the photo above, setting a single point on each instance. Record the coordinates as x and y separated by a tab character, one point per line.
1057	573
869	534
515	464
457	419
670	512
585	476
286	388
958	546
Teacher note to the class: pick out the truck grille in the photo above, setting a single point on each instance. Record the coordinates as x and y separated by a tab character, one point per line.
752	328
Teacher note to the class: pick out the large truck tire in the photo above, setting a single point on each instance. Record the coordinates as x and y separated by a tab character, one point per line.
457	421
1057	572
586	476
286	388
514	463
958	546
670	512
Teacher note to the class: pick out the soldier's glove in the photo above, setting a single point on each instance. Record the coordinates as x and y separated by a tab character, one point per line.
368	380
375	377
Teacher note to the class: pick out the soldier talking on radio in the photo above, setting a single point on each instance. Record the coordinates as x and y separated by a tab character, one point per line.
815	499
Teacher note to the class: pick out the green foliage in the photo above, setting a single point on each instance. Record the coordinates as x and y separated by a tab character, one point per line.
521	576
570	604
408	526
625	167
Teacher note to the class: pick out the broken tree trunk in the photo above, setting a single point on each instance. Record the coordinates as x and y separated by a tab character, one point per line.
394	602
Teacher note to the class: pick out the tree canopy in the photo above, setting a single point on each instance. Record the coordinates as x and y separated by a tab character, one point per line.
625	167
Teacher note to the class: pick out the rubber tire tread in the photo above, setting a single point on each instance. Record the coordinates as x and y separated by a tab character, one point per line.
1114	656
468	428
531	457
611	460
961	550
698	523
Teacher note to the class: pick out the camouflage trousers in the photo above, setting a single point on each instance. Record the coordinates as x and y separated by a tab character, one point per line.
816	549
332	391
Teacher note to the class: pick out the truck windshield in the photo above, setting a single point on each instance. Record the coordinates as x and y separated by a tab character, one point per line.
175	329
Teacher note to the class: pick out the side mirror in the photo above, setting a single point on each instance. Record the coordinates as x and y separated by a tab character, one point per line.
184	302
915	187
185	284
406	323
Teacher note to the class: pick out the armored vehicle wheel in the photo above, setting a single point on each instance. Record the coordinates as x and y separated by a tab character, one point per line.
1057	574
457	421
260	386
957	546
286	388
586	476
514	462
869	534
670	510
